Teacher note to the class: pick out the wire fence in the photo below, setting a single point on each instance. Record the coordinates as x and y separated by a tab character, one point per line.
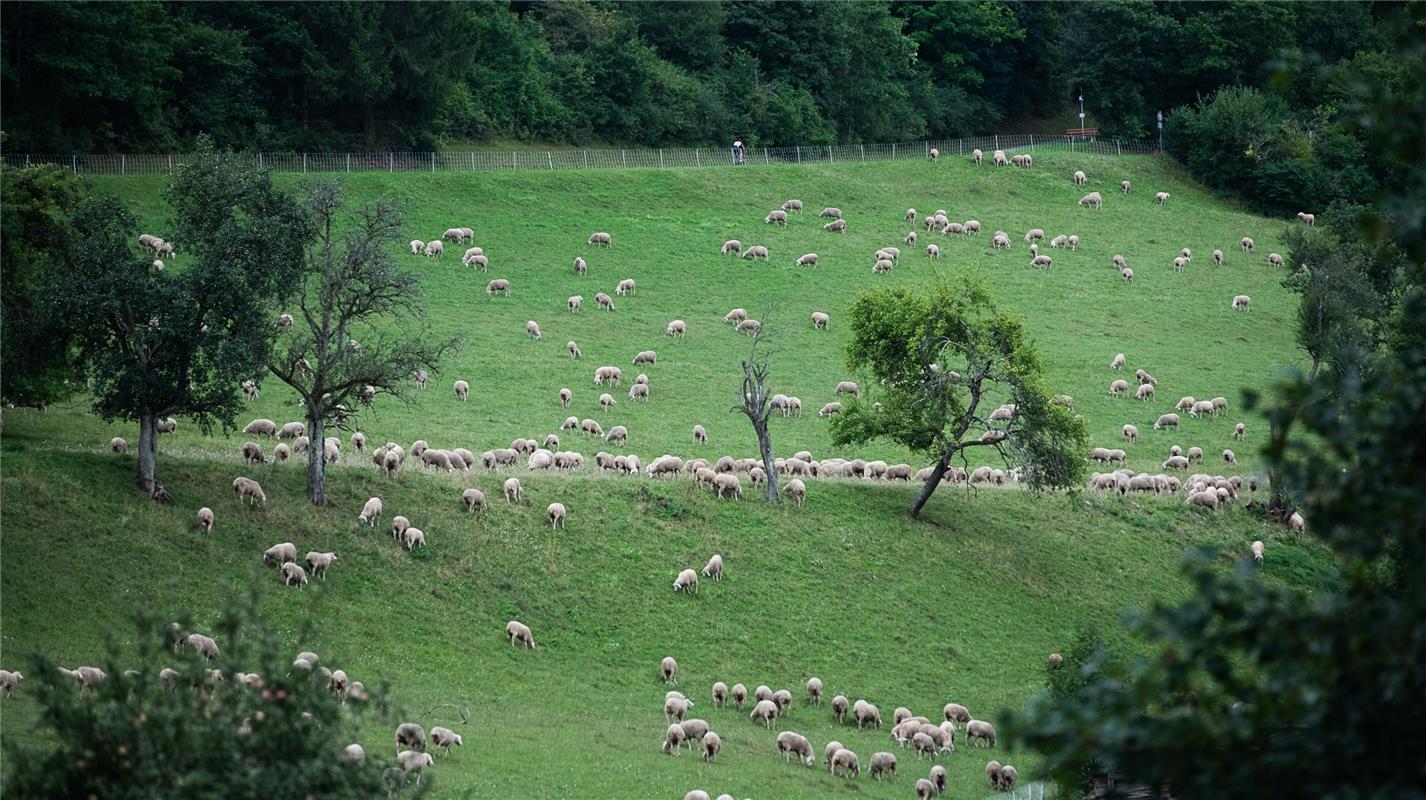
544	160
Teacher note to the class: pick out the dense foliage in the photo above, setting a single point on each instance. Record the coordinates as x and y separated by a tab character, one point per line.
131	736
307	76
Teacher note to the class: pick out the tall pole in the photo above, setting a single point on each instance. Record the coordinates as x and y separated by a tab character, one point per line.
1081	115
1161	131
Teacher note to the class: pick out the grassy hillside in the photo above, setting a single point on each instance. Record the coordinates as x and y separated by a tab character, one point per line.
964	607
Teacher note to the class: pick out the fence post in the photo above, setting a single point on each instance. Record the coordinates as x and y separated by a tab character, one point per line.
926	146
961	146
74	164
472	161
624	156
1032	141
799	154
660	158
123	164
551	160
997	141
893	151
1117	151
512	160
697	156
304	163
170	165
433	161
765	161
863	152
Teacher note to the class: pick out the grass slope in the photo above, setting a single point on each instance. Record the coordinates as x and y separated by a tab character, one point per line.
963	608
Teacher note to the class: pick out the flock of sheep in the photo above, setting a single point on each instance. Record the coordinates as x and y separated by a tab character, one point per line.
723	476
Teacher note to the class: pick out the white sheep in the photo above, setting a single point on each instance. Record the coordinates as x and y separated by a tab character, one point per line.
676	328
600	239
417	247
280	553
474	500
580	266
1240	431
1161	198
1217	258
839	226
713	569
736	315
498	286
249	490
462	390
413	538
933	252
790	744
519	634
820	320
1241	302
604	301
1257	548
1230	457
1131	433
205	519
732	246
806	260
293	575
556	514
319	563
766	711
755	252
1307	219
626	287
1247	244
1093	199
1274	260
797	490
847	761
435	249
981	732
646	357
814	691
1127	274
414	761
776	217
445	738
668	671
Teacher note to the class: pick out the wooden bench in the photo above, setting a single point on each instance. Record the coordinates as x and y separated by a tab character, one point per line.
1083	133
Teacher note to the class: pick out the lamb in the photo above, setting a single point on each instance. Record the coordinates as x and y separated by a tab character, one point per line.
1161	198
980	731
413	538
1274	260
498	286
580	266
435	249
792	205
765	710
1093	199
820	320
668	670
293	575
790	744
847	760
248	489
9	681
445	737
646	357
806	260
1241	303
732	246
600	239
676	328
318	563
755	252
865	713
399	524
519	632
1118	362
713	569
776	217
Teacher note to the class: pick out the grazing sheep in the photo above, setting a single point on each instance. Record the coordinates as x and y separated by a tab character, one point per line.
248	489
413	538
513	491
940	778
1093	199
1247	244
1131	433
293	575
820	320
765	710
318	563
498	286
639	391
1041	262
1127	274
1217	258
980	731
712	744
1241	303
839	708
933	252
252	453
1274	260
882	265
714	567
519	633
866	714
668	670
646	357
1308	219
739	695
676	328
848	387
435	249
806	260
600	239
1161	198
732	246
580	266
749	326
736	315
883	765
720	694
1230	457
604	301
626	287
791	744
474	500
370	512
1240	431
205	519
445	738
755	252
1179	264
847	760
417	247
556	514
1034	235
462	391
1257	548
687	581
1145	391
776	217
792	205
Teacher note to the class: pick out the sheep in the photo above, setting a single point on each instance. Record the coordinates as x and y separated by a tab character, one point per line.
646	357
1296	522
731	246
776	217
882	265
806	260
1307	219
293	575
1201	408
600	239
252	453
847	760
413	538
953	228
1257	548
1241	303
865	713
319	563
205	519
519	634
755	252
1274	260
1127	274
556	514
839	708
1093	199
435	249
1131	433
1034	235
1194	454
1230	457
712	744
1240	431
791	744
618	433
848	387
668	670
714	568
940	778
727	482
1176	462
580	266
445	737
417	247
820	320
462	390
1161	198
9	681
474	500
498	286
626	287
739	695
1179	264
673	739
749	326
933	252
980	731
248	489
766	711
513	491
736	315
604	301
676	328
414	761
1217	258
399	524
720	694
1145	391
792	205
1116	388
1073	242
1042	262
292	430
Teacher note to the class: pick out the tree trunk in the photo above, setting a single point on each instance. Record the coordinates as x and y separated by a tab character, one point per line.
1277	506
1316	365
932	482
148	451
316	461
769	465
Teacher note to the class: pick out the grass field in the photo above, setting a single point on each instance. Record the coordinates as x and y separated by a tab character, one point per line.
964	607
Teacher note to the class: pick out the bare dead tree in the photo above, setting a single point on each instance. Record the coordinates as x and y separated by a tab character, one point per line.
753	398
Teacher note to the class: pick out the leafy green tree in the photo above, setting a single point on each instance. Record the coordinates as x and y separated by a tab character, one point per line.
1337	314
36	206
180	342
130	736
940	359
349	341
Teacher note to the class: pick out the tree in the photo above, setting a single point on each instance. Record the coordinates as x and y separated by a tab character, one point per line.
36	204
132	736
180	342
938	358
350	287
1339	307
753	400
